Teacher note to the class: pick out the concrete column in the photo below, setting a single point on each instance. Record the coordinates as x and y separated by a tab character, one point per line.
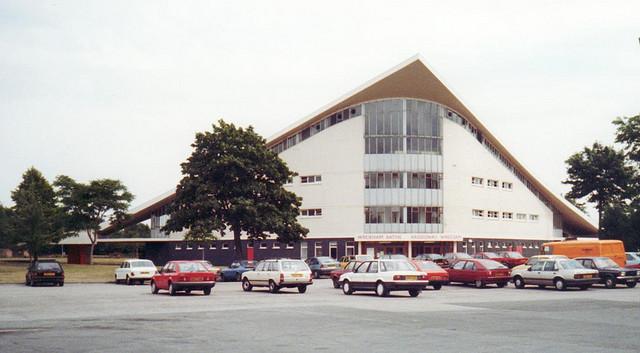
455	246
410	250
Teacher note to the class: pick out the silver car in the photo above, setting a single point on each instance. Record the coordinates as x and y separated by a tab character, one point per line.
560	273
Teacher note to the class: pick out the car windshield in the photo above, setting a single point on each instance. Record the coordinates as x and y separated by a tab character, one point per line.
491	255
513	255
48	266
491	265
397	266
142	263
290	266
429	265
326	259
191	267
570	264
605	262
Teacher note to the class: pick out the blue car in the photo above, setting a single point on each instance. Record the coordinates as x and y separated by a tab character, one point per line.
235	271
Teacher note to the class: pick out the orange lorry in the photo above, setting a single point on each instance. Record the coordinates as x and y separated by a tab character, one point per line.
613	249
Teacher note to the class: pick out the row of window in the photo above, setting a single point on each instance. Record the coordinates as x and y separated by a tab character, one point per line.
397	215
480	245
396	180
227	246
311	212
403	117
309	131
310	179
401	145
505	215
492	183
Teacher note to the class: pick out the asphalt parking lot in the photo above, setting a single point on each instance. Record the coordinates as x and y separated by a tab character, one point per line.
118	318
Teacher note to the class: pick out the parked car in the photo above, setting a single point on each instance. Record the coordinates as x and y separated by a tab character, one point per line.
480	272
236	269
394	257
633	260
214	269
44	271
178	276
535	258
558	272
383	277
277	274
437	258
609	271
436	275
135	270
512	259
348	258
335	274
322	265
452	257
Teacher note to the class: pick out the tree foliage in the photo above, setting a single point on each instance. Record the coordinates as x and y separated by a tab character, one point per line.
35	220
5	233
87	205
232	181
628	134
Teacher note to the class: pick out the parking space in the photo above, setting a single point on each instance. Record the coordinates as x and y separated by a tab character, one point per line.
109	317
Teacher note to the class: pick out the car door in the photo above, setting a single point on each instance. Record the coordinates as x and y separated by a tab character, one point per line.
370	277
119	271
549	271
534	274
470	272
357	277
455	271
161	279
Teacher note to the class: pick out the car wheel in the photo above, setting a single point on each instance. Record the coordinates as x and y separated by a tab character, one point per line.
172	289
206	291
479	284
302	289
336	284
246	285
559	284
631	284
61	284
154	288
273	287
381	290
610	282
129	281
238	277
541	286
346	288
414	292
437	286
32	283
518	282
115	277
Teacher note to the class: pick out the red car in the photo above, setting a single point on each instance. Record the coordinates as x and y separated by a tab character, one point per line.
479	272
513	258
436	275
185	276
335	274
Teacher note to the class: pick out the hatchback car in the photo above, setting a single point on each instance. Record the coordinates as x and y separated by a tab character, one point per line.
480	272
383	277
322	265
178	276
236	269
44	271
557	272
278	273
610	272
436	275
135	270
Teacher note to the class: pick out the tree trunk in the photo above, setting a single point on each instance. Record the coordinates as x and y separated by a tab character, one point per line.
93	245
237	244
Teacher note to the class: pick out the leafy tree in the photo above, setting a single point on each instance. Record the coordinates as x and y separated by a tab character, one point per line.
628	133
5	232
600	175
232	181
86	206
35	219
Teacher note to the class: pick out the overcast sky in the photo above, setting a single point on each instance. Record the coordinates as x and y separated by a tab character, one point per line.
108	89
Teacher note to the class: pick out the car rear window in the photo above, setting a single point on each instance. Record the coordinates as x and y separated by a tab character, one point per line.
491	265
291	266
491	255
142	263
570	264
48	266
191	267
387	266
429	265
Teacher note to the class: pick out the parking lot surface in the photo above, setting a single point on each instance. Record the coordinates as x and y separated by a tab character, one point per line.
119	318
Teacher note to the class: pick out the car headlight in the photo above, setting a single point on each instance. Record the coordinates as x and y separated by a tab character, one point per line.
622	274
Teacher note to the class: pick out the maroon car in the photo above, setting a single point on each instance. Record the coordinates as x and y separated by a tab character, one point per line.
335	274
480	272
512	259
185	276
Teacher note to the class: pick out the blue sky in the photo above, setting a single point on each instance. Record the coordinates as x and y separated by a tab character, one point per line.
117	89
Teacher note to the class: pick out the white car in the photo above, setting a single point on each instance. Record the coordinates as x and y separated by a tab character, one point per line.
384	276
135	270
276	274
558	272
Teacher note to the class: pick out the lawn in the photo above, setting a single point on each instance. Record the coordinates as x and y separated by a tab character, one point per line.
13	270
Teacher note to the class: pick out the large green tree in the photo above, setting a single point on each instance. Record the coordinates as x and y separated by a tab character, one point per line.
5	233
233	182
601	175
35	220
88	205
628	134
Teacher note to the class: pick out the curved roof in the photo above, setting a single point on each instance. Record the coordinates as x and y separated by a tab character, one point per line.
412	79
